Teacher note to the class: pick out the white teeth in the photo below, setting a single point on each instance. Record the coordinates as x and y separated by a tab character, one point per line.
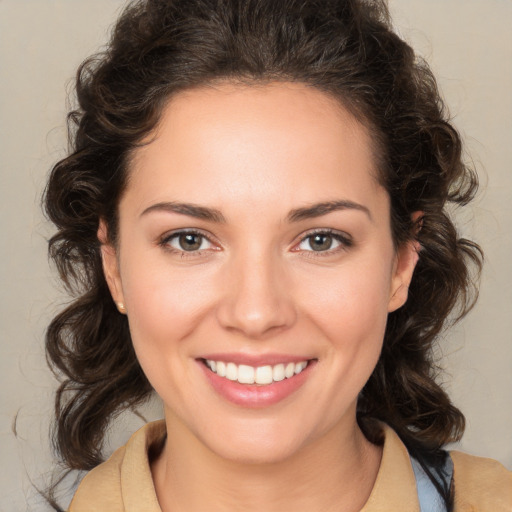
300	366
231	371
261	375
221	369
278	372
245	374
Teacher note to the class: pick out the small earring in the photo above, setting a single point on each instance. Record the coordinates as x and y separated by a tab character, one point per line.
121	308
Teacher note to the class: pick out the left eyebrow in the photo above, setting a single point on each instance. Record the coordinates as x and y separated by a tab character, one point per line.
319	209
191	210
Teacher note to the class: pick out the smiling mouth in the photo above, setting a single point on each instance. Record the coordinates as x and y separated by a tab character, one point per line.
260	375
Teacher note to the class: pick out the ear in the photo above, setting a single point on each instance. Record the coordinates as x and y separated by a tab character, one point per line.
111	267
406	258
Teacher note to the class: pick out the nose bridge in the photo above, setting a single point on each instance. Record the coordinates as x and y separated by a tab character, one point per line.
256	297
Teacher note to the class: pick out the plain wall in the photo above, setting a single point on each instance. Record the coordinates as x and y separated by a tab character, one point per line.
469	45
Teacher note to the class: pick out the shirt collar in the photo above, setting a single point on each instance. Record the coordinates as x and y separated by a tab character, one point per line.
394	488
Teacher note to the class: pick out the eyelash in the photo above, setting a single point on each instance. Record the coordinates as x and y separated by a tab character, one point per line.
164	242
344	240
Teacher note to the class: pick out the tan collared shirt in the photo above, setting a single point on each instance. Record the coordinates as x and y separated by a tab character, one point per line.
124	484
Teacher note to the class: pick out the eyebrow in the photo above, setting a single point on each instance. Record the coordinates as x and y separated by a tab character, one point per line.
192	210
295	215
319	209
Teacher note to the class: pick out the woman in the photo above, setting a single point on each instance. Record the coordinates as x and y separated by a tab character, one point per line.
253	217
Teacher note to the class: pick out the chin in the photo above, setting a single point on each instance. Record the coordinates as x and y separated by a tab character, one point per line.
256	444
255	453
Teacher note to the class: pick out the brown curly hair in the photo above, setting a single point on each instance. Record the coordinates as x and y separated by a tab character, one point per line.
345	48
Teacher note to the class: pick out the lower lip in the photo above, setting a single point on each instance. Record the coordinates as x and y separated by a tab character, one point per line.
252	395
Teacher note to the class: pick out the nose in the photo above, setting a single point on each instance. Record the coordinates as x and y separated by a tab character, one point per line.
257	299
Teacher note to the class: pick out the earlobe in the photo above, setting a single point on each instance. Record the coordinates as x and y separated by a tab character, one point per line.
111	267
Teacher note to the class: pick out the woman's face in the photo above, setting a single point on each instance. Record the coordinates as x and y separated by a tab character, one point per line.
254	236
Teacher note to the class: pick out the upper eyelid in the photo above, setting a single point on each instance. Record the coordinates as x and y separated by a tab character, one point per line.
171	234
326	231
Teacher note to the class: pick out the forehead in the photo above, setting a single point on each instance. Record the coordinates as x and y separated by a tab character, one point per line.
279	141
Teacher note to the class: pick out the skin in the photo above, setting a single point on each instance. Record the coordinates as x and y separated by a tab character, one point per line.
255	154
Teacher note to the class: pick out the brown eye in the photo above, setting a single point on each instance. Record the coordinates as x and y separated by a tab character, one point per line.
320	242
187	241
324	241
190	241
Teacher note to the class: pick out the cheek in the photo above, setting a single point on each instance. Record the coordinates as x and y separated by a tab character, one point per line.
165	303
351	303
162	302
349	310
165	309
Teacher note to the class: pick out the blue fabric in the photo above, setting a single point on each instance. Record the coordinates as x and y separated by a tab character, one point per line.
428	496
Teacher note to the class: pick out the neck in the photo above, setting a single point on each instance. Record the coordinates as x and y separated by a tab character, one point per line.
335	472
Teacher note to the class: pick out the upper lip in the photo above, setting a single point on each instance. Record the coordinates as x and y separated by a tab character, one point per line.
255	359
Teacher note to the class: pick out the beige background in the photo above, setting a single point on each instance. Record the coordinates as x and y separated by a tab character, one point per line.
468	43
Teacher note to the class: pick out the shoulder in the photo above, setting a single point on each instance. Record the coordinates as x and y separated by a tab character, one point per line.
124	478
481	484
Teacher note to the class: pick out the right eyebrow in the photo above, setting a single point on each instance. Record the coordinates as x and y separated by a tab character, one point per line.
190	209
320	209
